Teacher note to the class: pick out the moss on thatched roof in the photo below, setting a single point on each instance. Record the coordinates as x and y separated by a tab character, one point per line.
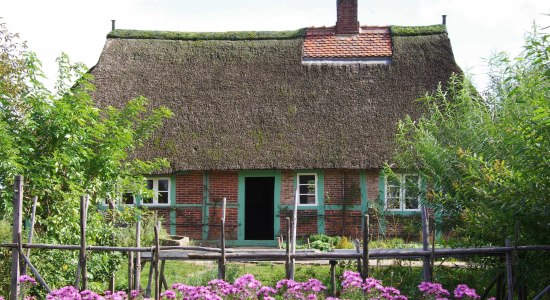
193	36
417	30
252	104
253	35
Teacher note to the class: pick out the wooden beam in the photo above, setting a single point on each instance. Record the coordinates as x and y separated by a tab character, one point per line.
137	267
82	258
425	233
509	271
156	261
366	237
16	233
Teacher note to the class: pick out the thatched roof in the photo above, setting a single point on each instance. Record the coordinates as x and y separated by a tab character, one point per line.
245	100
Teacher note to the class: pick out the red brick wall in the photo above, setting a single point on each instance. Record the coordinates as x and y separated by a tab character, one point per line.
189	222
307	222
223	184
372	186
338	224
214	222
347	21
338	185
164	215
342	185
287	188
189	188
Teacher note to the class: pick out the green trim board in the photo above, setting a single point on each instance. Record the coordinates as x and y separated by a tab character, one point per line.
241	202
291	207
341	207
382	201
218	203
172	205
205	201
187	205
364	195
321	202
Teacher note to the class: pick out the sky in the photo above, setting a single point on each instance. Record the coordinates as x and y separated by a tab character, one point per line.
477	28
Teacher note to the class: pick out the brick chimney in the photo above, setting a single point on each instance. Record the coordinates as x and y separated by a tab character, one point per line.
346	21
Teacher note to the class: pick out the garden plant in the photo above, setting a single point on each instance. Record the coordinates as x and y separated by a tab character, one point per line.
247	287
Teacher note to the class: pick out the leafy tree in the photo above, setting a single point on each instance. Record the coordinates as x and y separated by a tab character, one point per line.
66	147
487	159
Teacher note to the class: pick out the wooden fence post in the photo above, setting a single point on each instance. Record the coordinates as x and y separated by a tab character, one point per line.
425	232
359	265
292	251
31	232
366	237
82	258
287	260
130	271
150	277
221	262
332	277
137	266
162	277
499	289
509	271
432	255
156	259
16	233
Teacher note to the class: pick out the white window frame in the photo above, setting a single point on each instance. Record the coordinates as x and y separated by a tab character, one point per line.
156	191
402	193
316	188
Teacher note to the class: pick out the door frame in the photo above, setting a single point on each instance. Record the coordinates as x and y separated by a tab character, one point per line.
276	206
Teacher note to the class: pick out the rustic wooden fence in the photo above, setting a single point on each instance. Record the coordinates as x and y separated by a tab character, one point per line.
157	255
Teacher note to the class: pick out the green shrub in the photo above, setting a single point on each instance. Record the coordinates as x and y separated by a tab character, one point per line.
5	257
323	246
344	243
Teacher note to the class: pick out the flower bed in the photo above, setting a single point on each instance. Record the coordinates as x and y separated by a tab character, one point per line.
247	287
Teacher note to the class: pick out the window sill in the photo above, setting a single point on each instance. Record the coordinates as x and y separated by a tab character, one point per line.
402	212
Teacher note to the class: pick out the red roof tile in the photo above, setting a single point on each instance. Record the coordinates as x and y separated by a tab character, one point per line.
325	43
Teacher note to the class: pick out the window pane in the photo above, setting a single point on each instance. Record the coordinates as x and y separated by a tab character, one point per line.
393	181
307	199
307	189
147	200
411	203
306	179
128	198
163	197
393	192
163	185
411	187
150	184
392	203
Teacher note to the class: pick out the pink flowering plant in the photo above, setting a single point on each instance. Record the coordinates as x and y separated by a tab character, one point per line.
433	291
462	291
26	282
248	287
354	287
